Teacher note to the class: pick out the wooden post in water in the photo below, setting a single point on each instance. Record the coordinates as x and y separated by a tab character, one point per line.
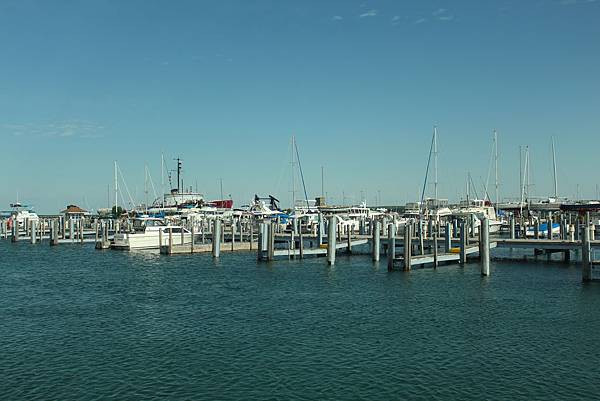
271	240
251	232
216	238
376	239
484	246
331	240
300	241
448	237
350	231
321	228
81	226
232	234
33	232
421	244
407	246
434	233
15	230
55	229
463	242
586	252
512	226
72	230
160	238
391	245
96	230
193	239
260	245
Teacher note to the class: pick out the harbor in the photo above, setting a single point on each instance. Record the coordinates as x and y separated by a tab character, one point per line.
275	200
403	241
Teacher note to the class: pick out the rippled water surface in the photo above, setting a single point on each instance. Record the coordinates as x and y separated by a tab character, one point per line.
76	323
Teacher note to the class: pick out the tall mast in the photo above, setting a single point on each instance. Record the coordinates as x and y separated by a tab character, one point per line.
554	168
322	183
435	164
162	178
146	185
293	173
520	169
116	189
496	162
524	176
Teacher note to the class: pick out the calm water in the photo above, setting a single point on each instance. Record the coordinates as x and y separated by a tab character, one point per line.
76	323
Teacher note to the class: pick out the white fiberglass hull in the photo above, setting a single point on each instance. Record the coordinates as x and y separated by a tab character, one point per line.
149	240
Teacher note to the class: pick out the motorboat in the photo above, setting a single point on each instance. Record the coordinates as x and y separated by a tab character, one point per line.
151	233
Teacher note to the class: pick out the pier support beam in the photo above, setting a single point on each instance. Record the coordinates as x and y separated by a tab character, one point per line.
33	232
376	240
391	245
407	246
434	233
586	254
15	231
463	242
512	227
216	239
448	237
484	246
331	241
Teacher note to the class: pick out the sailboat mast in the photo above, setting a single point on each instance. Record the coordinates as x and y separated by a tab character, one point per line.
162	178
554	168
496	164
146	185
520	169
322	183
116	189
435	164
293	172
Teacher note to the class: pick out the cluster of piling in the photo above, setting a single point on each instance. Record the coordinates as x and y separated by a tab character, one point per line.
406	243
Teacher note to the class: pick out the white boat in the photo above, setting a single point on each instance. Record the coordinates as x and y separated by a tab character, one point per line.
351	215
479	209
148	232
21	215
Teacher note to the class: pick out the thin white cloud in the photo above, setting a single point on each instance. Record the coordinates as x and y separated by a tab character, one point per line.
337	18
571	2
439	11
396	18
57	129
446	18
370	13
420	20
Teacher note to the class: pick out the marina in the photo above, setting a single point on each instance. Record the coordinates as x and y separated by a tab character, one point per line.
275	200
273	234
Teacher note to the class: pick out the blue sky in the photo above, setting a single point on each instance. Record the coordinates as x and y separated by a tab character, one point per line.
224	85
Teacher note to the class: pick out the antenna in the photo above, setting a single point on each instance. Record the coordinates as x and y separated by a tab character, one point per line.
179	168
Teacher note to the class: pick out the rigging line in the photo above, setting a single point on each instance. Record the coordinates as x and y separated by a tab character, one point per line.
151	183
487	180
131	201
301	173
426	173
487	195
474	188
